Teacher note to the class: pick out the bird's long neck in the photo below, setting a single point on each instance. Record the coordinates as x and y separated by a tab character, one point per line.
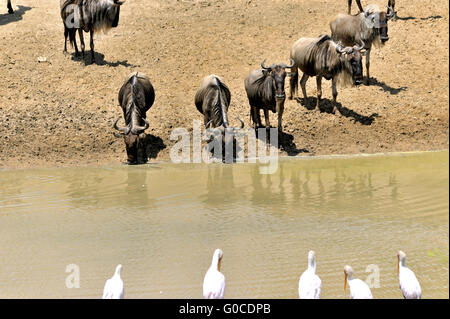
215	263
117	273
312	264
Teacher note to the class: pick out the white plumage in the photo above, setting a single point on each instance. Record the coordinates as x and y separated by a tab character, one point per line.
114	286
310	285
214	281
409	285
358	288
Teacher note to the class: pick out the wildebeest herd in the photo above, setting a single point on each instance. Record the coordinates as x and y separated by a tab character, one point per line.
336	57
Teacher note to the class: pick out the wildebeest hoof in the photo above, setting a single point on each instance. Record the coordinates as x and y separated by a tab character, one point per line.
10	11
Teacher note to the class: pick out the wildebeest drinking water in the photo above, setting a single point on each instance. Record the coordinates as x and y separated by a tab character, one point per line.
136	96
213	100
265	90
91	16
370	27
322	57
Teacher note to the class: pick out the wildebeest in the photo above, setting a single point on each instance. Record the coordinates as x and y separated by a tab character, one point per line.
265	90
213	100
10	9
322	57
391	4
136	96
90	16
369	27
68	11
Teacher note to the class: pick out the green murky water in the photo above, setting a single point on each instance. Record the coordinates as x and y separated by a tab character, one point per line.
162	222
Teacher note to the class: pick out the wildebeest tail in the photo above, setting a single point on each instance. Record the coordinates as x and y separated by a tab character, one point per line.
294	80
218	104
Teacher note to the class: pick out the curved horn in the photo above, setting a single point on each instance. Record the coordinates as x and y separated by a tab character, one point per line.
139	129
122	130
119	2
339	48
242	124
288	66
360	47
390	12
263	66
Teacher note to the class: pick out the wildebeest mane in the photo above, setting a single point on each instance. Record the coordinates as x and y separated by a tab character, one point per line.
265	85
322	55
99	15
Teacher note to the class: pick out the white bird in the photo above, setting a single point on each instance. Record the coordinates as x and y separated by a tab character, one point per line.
409	285
358	288
214	281
114	286
309	285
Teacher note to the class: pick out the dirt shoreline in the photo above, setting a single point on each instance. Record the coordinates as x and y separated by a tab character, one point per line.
59	113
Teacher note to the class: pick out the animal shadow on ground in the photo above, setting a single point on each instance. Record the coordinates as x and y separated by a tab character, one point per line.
99	60
432	17
414	18
387	88
327	106
153	145
16	16
285	143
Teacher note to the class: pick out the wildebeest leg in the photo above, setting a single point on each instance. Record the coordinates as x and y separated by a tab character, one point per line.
367	66
280	110
358	2
66	34
73	36
266	116
335	93
258	116
319	91
349	7
92	46
80	33
254	115
303	85
10	9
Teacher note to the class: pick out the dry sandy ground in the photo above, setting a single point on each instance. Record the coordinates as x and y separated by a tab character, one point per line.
60	113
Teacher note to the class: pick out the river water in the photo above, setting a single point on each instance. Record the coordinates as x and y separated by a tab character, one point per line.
163	221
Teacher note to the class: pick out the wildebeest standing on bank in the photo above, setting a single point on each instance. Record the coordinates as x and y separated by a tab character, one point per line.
213	100
136	96
369	27
91	16
322	57
67	8
391	4
265	90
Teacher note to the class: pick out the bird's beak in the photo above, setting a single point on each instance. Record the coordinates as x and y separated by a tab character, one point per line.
219	264
345	280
